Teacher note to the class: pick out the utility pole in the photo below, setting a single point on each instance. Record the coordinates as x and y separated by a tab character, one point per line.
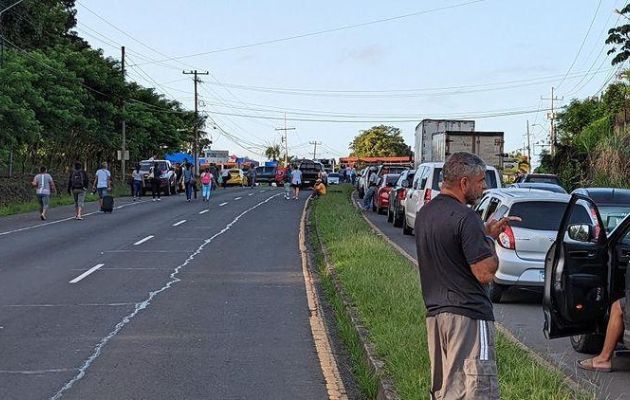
529	150
285	139
552	117
315	144
123	150
196	125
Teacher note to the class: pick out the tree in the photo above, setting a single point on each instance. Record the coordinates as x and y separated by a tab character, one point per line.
379	141
620	36
272	152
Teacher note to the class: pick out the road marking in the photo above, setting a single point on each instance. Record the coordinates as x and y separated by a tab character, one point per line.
139	242
26	228
86	273
237	198
183	221
251	194
327	362
147	302
38	372
222	204
203	211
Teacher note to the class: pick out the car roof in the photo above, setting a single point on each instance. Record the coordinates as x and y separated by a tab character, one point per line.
606	195
516	194
440	164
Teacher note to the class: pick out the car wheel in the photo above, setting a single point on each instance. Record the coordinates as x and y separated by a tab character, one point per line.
390	215
407	230
588	344
496	291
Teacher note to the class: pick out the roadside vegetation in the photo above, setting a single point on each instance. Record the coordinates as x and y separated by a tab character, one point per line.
385	288
56	200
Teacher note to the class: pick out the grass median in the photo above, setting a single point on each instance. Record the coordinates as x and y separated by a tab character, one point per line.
56	200
384	286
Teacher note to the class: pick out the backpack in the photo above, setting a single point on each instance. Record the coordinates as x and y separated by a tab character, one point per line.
205	179
77	180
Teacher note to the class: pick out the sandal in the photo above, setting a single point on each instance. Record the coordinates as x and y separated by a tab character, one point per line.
587	365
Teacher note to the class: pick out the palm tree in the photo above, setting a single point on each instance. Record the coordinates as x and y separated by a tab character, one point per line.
272	152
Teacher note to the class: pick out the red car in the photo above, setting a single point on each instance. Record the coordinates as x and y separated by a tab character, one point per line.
380	201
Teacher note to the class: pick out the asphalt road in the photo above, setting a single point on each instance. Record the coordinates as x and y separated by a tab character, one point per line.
521	313
158	300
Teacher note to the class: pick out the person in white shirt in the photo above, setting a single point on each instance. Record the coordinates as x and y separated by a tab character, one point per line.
44	185
296	181
102	183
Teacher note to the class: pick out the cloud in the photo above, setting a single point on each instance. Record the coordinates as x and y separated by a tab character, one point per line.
371	54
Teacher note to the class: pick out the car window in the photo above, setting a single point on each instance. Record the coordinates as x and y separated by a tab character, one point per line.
482	206
613	215
416	179
543	179
491	179
423	177
499	213
391	170
391	180
546	215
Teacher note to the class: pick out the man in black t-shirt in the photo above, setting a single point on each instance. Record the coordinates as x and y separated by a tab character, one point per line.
456	259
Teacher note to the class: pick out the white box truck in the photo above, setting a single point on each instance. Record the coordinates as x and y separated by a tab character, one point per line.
424	136
487	145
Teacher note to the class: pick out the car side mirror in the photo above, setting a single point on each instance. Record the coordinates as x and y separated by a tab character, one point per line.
405	184
581	233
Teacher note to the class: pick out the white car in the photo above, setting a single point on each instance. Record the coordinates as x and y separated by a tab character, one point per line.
426	185
333	178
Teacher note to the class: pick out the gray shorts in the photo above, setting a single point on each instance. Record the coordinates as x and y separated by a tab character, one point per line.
102	192
79	197
463	358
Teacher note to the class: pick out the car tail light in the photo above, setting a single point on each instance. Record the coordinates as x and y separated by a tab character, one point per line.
402	194
384	194
506	239
427	196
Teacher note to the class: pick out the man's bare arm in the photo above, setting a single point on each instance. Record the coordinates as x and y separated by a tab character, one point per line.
485	269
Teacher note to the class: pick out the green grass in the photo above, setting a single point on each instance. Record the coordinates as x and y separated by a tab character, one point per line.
385	288
366	380
57	200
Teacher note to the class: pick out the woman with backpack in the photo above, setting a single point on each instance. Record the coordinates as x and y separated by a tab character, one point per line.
206	184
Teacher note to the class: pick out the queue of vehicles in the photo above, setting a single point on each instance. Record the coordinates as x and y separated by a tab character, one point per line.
573	248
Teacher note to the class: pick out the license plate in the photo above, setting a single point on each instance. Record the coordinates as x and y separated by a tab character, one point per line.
542	276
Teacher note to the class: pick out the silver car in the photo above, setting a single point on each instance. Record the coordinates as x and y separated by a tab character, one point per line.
522	247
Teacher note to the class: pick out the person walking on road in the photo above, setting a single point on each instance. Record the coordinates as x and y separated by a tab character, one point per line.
77	186
225	177
206	184
102	183
138	182
154	177
187	175
372	184
456	260
44	186
296	181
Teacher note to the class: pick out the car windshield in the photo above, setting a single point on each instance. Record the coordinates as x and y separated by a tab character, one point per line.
334	175
265	170
491	179
391	180
146	165
613	215
543	179
546	215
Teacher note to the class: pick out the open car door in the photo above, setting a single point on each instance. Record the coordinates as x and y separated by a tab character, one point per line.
576	294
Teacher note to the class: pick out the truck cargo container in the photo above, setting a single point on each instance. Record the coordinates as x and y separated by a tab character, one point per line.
425	130
487	145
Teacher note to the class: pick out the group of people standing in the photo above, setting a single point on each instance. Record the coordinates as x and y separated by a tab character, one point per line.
185	178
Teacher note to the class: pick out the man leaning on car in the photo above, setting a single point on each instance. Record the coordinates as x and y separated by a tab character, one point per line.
456	259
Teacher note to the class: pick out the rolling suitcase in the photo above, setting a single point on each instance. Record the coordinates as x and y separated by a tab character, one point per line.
108	204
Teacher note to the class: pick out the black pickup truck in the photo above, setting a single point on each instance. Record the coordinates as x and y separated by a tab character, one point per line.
310	171
265	175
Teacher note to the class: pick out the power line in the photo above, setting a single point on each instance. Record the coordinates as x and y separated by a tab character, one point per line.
324	31
582	44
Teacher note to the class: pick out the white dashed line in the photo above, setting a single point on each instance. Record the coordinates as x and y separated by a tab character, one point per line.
143	240
237	198
86	273
179	223
222	204
251	194
203	211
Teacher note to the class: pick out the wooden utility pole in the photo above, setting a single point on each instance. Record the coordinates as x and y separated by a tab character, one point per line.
123	147
315	144
196	125
285	139
529	150
552	117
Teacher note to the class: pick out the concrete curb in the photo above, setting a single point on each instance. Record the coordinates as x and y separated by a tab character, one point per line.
386	389
568	380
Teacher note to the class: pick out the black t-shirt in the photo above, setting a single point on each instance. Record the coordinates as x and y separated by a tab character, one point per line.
449	238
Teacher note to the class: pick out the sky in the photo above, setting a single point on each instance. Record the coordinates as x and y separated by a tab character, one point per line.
347	66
